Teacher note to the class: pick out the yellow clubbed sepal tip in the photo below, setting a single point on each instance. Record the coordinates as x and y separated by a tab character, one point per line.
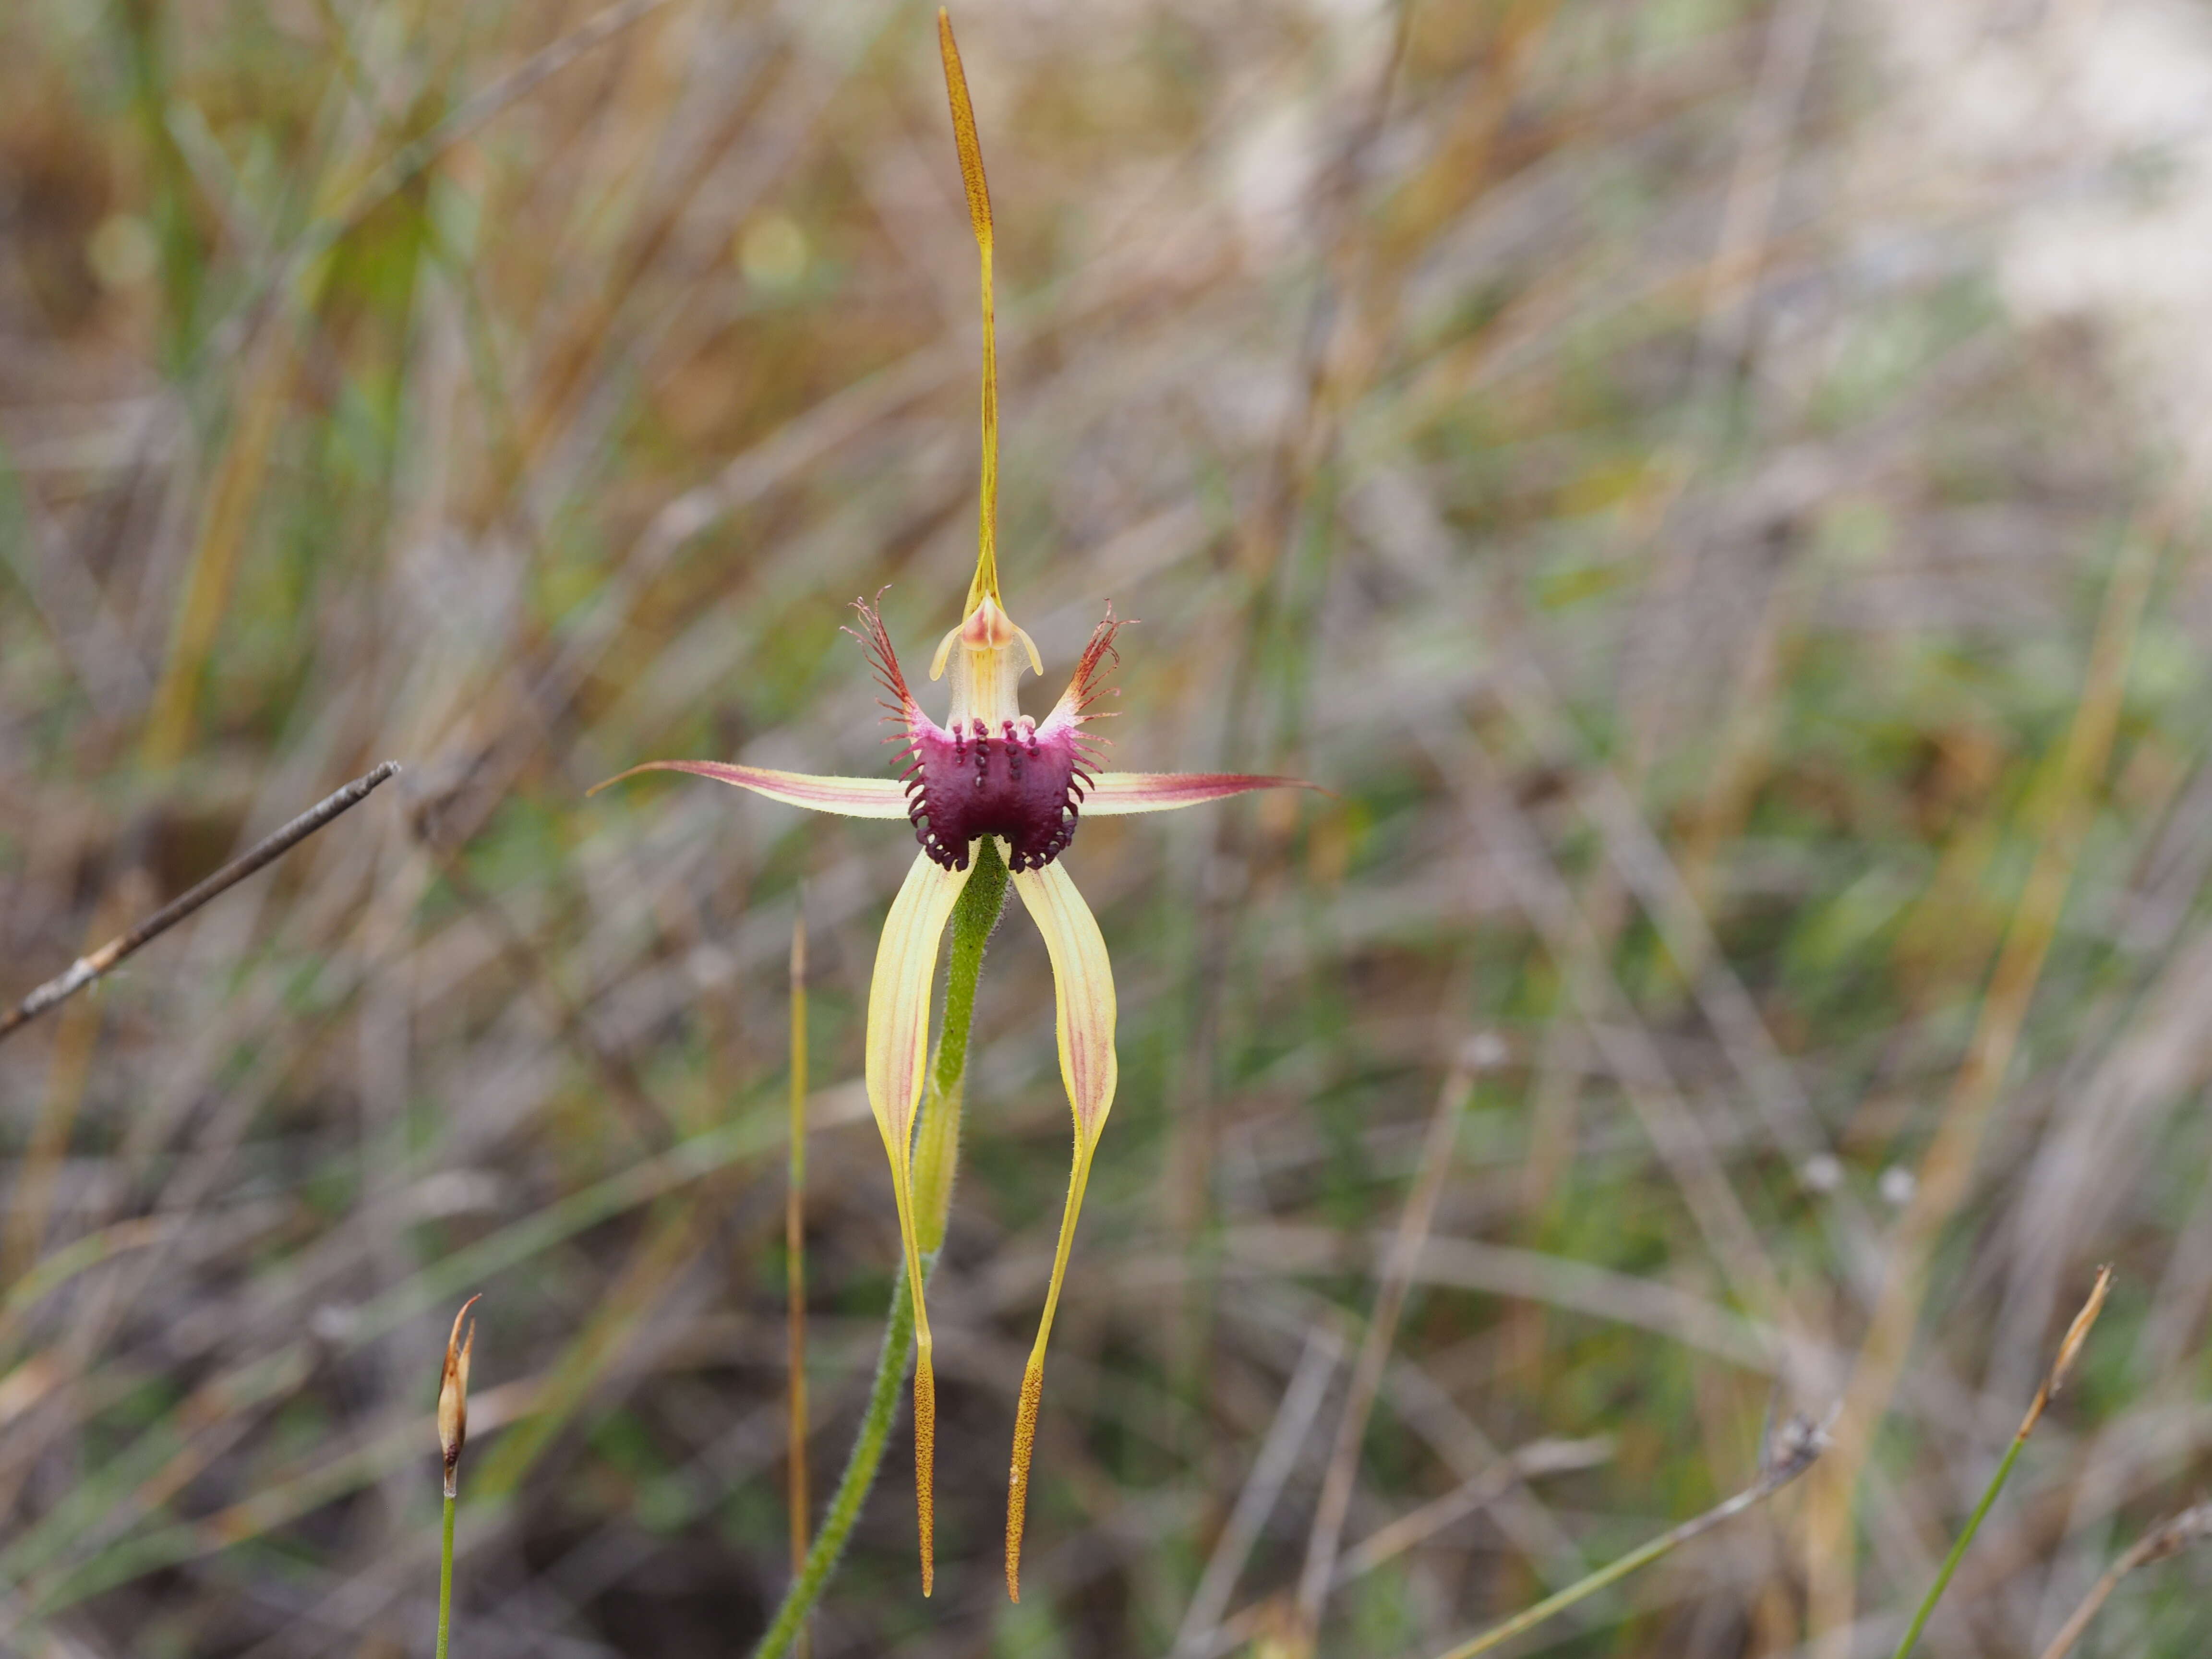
1018	1481
986	584
925	1380
925	1463
1025	1416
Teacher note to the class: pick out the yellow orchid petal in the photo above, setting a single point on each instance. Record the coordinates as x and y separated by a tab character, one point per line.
898	1048
1114	794
1082	977
899	994
851	798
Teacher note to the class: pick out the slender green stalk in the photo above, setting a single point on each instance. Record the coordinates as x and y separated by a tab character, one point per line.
861	1465
446	1576
1958	1547
2070	1347
937	1135
1793	1452
794	1242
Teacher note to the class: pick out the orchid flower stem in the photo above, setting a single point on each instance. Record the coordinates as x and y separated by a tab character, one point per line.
937	1138
862	1464
445	1578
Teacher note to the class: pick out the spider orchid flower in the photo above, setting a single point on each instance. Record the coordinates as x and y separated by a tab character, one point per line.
989	770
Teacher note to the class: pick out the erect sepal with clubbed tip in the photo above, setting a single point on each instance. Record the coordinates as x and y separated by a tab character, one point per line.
985	585
454	1395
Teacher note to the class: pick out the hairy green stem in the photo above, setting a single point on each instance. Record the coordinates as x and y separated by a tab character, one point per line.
861	1465
445	1578
937	1152
937	1135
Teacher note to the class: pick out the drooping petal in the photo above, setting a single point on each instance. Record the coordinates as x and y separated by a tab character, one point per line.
852	798
1083	979
898	1046
899	994
1114	795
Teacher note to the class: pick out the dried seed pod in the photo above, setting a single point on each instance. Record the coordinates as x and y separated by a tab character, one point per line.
454	1395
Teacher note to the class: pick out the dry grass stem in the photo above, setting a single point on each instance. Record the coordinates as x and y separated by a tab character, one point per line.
89	967
1796	1448
1396	1280
2170	1537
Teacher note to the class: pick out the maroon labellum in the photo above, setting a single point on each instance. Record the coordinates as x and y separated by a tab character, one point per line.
1019	785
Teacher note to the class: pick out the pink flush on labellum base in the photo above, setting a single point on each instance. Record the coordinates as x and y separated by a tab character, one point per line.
989	770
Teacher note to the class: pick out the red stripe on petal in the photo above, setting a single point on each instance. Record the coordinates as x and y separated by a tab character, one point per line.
1083	981
852	798
1115	794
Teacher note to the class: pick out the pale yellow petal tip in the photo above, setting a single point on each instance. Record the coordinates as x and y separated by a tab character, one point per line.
1018	1478
925	1466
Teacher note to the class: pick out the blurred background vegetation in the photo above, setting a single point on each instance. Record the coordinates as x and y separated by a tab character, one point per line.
1709	486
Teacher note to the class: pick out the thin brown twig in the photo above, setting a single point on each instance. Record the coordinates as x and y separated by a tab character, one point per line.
1202	1626
1417	1527
1793	1451
1397	1272
2170	1537
1411	1530
87	969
